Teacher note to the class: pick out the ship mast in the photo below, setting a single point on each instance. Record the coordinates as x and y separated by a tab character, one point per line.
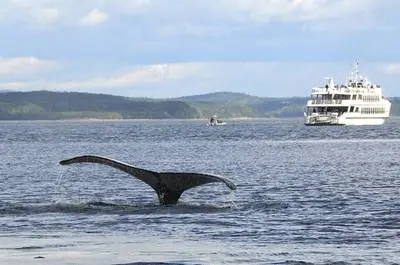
355	73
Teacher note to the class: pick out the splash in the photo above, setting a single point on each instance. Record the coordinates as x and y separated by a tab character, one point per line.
232	198
58	184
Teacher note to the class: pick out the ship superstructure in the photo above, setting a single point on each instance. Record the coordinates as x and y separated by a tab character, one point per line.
357	101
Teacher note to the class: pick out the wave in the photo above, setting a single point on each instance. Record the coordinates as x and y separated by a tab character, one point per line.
300	262
150	263
100	207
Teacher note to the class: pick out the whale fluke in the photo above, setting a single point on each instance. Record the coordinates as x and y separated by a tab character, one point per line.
168	185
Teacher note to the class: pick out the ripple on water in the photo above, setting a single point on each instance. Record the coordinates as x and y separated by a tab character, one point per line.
305	195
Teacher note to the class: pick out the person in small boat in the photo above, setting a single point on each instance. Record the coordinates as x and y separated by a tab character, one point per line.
212	120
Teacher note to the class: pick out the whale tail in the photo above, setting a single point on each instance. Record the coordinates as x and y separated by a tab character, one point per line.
169	186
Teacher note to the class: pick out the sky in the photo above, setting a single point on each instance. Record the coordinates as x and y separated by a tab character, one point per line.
172	48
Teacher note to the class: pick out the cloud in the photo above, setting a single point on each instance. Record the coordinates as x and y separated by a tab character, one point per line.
178	79
46	15
38	12
150	74
157	73
338	16
199	31
20	66
130	6
94	17
196	12
392	69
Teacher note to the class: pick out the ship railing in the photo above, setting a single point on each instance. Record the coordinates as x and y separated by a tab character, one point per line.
326	101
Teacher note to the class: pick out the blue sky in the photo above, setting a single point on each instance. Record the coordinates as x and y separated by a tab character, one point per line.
169	48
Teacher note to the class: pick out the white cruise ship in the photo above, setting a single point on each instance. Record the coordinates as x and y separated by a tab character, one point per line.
358	101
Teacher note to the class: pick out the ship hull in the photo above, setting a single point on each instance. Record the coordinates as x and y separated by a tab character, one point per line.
349	121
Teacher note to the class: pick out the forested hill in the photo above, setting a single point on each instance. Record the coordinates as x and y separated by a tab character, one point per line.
74	105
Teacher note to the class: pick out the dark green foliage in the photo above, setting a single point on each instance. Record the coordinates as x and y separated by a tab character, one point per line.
62	105
281	107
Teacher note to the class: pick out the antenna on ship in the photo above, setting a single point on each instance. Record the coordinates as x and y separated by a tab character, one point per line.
355	74
357	71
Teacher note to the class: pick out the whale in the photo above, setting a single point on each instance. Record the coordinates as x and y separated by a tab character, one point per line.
169	186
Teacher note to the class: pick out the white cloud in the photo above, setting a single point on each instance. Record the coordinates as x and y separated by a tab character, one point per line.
151	74
158	73
94	17
90	12
204	19
129	5
296	10
175	11
199	31
392	69
178	79
46	15
20	66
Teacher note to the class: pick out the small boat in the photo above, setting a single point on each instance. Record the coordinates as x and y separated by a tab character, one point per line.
214	121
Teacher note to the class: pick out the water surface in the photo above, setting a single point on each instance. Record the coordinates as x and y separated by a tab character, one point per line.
306	195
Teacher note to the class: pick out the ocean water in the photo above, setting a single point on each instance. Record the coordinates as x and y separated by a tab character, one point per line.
305	195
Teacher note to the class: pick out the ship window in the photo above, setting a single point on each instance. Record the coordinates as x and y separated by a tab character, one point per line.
354	97
356	109
360	97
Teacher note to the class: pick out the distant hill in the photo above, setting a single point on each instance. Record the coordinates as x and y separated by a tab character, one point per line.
234	105
73	105
218	97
